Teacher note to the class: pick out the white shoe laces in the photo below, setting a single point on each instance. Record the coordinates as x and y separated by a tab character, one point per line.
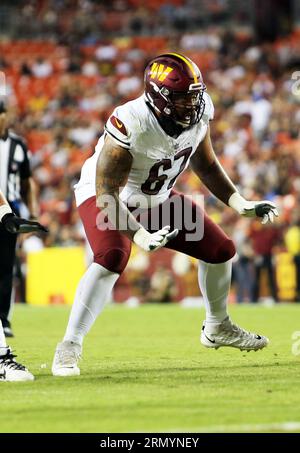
235	332
67	357
235	329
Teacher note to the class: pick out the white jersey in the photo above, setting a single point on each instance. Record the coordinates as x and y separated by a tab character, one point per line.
158	159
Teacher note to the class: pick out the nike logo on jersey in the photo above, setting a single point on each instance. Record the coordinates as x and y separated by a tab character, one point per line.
118	124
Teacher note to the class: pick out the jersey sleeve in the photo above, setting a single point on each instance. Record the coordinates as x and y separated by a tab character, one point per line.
119	127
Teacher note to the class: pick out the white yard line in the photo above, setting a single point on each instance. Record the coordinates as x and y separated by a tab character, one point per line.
248	428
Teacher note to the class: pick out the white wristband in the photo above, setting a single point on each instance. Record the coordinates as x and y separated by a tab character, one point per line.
4	209
237	202
141	237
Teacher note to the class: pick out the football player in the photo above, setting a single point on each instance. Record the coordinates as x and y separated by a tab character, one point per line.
10	369
147	144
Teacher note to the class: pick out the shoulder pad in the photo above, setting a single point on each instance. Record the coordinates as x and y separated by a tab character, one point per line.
209	110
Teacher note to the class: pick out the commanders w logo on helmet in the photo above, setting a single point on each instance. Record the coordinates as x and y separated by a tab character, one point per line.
159	71
174	88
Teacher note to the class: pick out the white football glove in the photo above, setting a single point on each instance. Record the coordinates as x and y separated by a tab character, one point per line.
154	241
265	209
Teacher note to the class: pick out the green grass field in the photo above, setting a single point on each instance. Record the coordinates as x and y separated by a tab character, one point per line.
144	370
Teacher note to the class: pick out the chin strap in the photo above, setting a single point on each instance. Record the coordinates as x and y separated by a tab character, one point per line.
168	125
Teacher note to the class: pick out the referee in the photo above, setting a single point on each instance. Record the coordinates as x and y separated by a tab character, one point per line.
10	370
16	185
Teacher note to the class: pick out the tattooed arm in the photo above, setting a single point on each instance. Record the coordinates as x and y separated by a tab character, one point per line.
205	164
113	167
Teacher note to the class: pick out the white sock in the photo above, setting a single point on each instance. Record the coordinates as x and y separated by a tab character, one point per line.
3	345
214	282
92	293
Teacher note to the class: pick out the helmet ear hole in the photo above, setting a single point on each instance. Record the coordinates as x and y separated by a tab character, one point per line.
155	87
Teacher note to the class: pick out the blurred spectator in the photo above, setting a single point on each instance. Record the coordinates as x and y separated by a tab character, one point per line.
264	239
41	68
292	241
162	286
243	266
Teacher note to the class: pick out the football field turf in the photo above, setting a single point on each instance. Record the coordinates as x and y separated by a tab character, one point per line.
144	370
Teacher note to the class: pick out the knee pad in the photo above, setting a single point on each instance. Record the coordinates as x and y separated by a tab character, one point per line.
114	260
225	252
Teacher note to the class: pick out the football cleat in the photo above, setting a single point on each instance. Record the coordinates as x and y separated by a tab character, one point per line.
8	332
228	334
66	357
12	371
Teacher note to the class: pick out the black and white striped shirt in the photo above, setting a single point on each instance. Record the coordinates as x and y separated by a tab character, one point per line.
14	166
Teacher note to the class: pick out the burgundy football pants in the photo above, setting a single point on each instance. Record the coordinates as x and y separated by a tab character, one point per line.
206	242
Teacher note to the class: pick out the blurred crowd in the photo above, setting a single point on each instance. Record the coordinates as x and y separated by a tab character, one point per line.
71	22
62	88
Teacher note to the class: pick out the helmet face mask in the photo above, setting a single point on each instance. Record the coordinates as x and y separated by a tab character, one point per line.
174	88
188	107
